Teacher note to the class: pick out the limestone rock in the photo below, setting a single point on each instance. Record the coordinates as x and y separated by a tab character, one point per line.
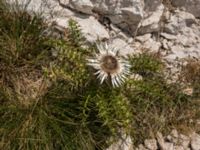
168	146
141	147
191	6
151	21
143	38
195	141
47	8
118	33
160	139
151	44
151	144
123	144
125	14
184	141
84	6
92	29
174	135
165	44
162	144
179	20
178	148
168	36
124	47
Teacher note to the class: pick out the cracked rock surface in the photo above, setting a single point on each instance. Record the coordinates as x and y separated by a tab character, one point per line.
137	24
174	141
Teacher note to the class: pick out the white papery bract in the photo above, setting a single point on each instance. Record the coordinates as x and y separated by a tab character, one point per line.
109	65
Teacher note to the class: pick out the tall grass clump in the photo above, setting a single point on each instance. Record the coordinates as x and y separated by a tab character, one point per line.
157	105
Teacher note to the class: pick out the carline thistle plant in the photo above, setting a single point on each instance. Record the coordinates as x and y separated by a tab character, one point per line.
109	64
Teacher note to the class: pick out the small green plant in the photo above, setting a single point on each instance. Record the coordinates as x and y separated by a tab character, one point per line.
75	35
157	105
146	64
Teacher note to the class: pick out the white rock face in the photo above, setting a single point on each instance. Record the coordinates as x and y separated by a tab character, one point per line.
141	147
92	29
54	12
123	144
123	47
123	13
152	15
84	6
164	145
179	20
195	141
147	42
178	148
126	14
44	7
151	144
184	141
174	141
120	12
191	6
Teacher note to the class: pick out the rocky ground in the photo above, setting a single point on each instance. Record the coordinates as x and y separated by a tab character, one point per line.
174	141
170	27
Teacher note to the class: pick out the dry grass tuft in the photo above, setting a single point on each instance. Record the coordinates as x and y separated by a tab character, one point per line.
190	75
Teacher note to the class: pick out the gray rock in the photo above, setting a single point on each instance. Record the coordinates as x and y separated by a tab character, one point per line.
141	147
184	141
179	20
125	14
124	47
160	139
191	6
188	41
169	138
143	38
151	144
168	146
123	144
162	144
195	141
151	21
118	33
175	136
174	133
165	44
147	41
54	12
84	6
47	8
168	36
178	148
92	29
152	45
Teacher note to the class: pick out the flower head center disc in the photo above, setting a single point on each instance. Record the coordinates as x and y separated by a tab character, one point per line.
109	64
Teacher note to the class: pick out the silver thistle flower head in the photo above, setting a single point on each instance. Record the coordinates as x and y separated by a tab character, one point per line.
109	65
